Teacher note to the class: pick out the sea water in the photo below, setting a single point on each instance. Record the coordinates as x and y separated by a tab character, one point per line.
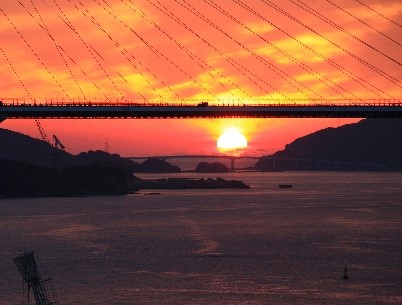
265	245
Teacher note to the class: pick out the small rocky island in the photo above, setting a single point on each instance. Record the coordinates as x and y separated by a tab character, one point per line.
214	167
189	183
155	165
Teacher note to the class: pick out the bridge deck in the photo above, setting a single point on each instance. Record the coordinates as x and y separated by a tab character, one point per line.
64	111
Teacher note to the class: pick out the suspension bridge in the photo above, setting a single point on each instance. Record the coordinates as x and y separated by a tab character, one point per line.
378	109
248	60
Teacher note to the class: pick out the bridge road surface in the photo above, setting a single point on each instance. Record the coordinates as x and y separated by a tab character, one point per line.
133	111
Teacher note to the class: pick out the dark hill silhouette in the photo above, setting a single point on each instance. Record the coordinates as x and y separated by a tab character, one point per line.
370	141
19	147
31	167
215	167
28	170
90	157
155	165
20	179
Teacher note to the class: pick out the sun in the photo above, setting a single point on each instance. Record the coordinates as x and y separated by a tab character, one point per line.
231	140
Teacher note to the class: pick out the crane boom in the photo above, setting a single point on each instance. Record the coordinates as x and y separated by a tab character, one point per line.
42	131
57	143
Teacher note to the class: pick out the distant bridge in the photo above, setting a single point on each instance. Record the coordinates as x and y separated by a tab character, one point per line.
282	163
209	157
369	109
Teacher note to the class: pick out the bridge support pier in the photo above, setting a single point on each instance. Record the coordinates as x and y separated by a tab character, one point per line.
232	166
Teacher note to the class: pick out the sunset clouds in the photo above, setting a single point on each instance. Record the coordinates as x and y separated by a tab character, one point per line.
188	50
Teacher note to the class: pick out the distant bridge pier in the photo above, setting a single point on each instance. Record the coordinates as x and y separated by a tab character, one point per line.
232	164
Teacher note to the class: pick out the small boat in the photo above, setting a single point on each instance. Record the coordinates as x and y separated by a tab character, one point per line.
345	273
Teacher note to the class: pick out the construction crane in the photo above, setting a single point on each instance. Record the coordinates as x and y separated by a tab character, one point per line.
56	142
42	287
42	131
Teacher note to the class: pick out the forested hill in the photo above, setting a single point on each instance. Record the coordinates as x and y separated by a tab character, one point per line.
22	148
370	141
19	147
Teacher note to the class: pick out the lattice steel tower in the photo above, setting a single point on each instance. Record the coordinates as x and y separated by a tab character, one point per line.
42	287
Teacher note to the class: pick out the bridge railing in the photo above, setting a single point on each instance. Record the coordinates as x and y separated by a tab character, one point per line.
192	103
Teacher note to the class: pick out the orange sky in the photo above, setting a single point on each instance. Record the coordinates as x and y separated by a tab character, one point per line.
219	51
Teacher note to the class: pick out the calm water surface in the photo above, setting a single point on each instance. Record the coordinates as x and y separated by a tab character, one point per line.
260	246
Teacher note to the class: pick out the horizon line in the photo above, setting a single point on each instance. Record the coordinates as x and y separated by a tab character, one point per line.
194	156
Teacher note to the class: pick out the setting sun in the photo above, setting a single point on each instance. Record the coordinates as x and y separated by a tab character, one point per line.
231	139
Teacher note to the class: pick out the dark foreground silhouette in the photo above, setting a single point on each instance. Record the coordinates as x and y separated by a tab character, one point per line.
369	145
21	179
